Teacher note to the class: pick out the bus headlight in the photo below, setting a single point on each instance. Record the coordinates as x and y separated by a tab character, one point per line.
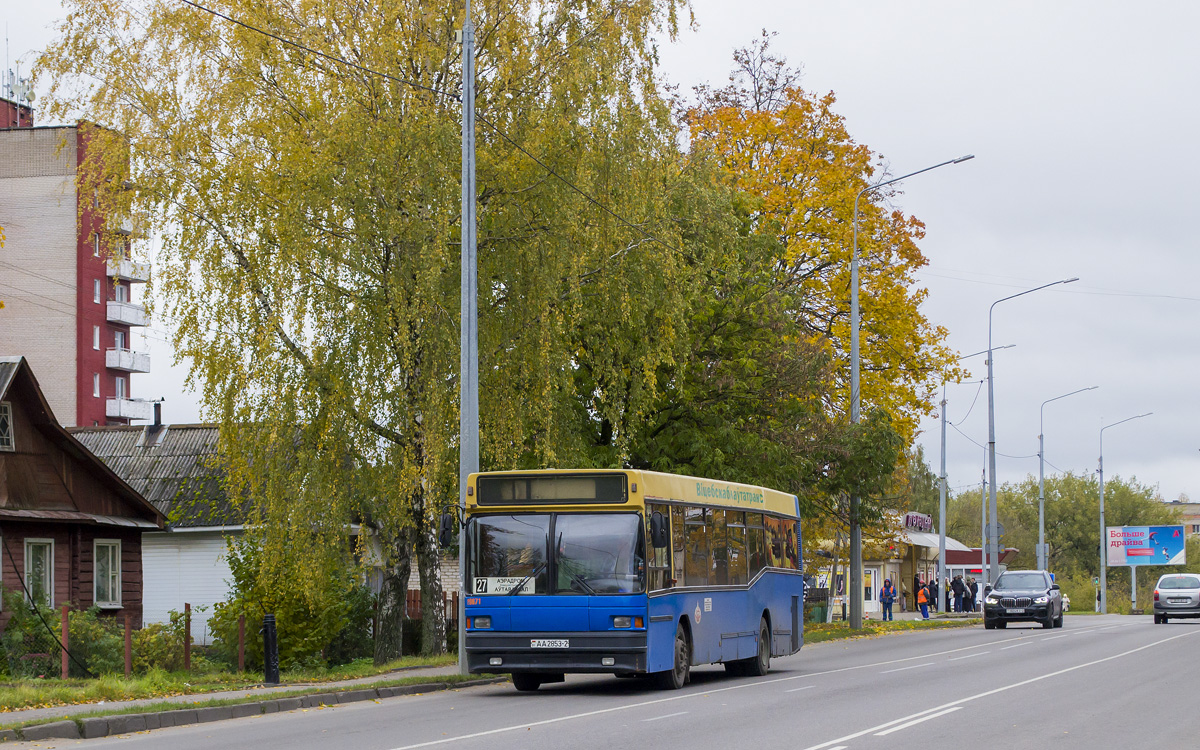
482	622
622	621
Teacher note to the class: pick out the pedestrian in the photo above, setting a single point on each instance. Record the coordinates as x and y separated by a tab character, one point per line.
933	592
887	595
960	590
923	601
973	592
946	589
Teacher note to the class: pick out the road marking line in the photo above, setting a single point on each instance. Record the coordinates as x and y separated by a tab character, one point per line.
918	721
640	704
901	669
666	716
1015	645
969	656
993	691
794	690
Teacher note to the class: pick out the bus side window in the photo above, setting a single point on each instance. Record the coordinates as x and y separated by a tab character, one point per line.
696	557
735	528
719	574
756	542
659	557
678	543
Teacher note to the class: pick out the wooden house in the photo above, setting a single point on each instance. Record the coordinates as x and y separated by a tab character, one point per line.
70	528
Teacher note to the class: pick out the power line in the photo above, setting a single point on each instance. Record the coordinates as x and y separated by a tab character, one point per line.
977	392
981	445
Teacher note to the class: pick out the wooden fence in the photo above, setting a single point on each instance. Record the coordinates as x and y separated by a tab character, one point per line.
412	605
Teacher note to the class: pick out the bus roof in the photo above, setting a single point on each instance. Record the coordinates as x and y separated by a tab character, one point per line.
655	485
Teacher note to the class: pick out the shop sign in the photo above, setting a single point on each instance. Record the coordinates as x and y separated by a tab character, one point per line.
918	521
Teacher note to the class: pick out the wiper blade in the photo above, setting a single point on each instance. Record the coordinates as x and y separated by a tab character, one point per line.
577	578
521	584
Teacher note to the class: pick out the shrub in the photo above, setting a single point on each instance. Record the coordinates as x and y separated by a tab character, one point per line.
31	639
331	628
159	645
95	641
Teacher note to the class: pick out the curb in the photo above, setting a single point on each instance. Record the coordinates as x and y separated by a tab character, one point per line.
107	726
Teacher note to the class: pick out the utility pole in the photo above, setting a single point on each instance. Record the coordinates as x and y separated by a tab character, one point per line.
468	394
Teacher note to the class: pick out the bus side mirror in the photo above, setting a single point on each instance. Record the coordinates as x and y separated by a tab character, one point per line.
446	530
658	530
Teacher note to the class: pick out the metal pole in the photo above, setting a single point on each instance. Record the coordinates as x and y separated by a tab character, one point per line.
854	588
1133	588
1103	535
1043	561
942	504
995	518
983	555
468	416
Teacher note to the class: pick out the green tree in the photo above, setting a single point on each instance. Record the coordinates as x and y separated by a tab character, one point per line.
308	217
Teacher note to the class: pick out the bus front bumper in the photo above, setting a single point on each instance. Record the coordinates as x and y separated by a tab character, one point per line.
599	652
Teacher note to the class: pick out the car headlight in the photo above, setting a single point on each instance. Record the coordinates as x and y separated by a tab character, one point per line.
1041	600
993	600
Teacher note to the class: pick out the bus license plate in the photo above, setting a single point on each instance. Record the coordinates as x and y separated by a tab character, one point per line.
1018	611
550	643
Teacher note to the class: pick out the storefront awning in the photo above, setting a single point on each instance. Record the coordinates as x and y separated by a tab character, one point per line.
926	539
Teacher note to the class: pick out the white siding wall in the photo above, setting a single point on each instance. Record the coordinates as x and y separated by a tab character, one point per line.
38	212
180	567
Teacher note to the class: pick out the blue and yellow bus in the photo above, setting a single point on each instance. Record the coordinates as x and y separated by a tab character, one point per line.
628	572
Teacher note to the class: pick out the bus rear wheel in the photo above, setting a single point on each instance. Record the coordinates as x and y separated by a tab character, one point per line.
526	682
761	664
676	677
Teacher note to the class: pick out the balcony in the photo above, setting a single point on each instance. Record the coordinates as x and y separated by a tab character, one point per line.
125	226
128	408
128	270
127	313
127	360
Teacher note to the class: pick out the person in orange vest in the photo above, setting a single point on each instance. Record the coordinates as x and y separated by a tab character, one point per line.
923	602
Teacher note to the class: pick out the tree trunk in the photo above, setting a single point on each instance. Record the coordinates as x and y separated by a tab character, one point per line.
433	620
389	635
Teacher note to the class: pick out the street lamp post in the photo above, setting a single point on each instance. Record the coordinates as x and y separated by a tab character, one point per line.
855	588
993	537
942	483
1042	556
1103	541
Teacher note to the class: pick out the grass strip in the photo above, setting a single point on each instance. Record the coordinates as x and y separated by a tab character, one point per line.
23	694
822	632
439	681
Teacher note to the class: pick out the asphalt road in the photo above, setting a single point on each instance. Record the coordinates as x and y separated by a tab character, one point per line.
1099	682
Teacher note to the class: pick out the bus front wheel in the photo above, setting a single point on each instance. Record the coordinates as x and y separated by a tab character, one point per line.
525	682
676	677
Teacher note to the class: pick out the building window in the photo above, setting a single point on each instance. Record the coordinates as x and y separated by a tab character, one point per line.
119	339
107	586
96	291
121	392
96	337
1195	527
96	385
39	570
7	443
122	293
95	244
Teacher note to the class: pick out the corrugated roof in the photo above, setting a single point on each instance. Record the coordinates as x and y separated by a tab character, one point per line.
174	467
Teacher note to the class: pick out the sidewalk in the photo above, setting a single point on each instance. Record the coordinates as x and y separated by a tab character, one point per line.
31	714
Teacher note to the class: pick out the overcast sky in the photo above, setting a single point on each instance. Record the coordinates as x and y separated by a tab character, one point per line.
1082	117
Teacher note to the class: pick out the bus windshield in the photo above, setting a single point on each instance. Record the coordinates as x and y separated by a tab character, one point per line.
594	553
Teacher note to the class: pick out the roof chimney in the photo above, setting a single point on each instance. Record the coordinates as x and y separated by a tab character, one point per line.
157	415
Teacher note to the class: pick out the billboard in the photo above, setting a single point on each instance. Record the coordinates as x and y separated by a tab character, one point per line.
1145	545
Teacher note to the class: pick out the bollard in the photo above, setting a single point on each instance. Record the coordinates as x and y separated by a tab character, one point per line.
270	651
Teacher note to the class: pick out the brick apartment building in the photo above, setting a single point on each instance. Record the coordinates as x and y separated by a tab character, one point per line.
67	285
